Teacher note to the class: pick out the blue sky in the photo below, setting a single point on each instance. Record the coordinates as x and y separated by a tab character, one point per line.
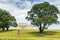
19	8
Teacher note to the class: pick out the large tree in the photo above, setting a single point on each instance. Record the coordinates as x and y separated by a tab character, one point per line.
43	14
6	20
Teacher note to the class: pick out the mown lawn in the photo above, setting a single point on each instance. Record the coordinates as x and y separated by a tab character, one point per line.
32	34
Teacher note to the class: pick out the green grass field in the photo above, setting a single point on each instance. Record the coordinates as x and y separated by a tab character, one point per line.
26	34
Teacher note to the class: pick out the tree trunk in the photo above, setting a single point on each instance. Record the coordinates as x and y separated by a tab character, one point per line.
7	29
3	29
41	29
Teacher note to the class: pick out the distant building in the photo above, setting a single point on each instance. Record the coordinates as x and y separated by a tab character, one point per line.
23	26
26	26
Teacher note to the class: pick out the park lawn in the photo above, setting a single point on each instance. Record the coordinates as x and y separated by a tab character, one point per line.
33	34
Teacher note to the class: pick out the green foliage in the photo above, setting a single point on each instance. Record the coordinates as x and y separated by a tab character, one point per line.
43	13
6	19
13	23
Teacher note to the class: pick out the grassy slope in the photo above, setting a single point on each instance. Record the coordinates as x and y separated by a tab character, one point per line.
31	35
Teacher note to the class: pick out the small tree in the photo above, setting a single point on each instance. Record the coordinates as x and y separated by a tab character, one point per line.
43	14
6	20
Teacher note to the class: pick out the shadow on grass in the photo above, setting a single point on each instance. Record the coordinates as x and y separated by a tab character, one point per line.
7	31
44	34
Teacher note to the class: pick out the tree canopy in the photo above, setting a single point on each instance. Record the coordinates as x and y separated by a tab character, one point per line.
43	14
6	19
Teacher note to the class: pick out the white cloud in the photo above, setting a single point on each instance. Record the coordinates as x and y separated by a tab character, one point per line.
19	14
14	7
3	0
